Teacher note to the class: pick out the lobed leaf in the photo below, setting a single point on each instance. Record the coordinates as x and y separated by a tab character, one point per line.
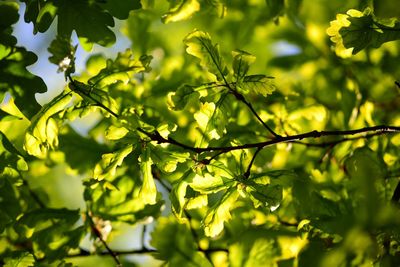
356	30
181	10
185	94
63	54
42	134
241	63
199	45
107	167
259	83
15	78
218	214
120	70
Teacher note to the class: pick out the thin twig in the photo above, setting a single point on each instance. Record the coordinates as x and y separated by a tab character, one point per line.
99	235
84	253
247	173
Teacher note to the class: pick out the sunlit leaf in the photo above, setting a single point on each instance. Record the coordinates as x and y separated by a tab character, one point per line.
5	116
42	135
120	70
220	213
23	260
210	184
241	63
181	10
199	45
107	167
255	247
260	84
356	30
116	133
183	95
148	191
167	161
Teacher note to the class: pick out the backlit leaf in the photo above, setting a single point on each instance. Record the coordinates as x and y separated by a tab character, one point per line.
181	10
42	134
183	95
356	30
199	45
241	63
260	84
218	214
148	191
107	167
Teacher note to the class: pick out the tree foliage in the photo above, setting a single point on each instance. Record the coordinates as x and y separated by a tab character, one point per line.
233	133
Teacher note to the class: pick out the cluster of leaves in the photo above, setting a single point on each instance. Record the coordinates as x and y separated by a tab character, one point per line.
198	132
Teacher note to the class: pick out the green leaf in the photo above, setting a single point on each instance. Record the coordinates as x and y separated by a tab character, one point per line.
269	195
356	30
121	8
24	259
81	153
10	157
63	54
116	133
51	231
211	119
15	78
95	97
260	84
183	197
167	161
9	16
120	70
185	94
241	63
175	244
11	208
210	184
216	216
255	247
181	10
148	191
107	167
199	45
90	22
275	8
5	116
42	134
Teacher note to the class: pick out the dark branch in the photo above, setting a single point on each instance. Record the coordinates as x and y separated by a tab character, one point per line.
247	173
100	237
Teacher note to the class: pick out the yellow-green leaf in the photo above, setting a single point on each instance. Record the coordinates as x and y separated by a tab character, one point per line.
181	11
220	213
42	135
